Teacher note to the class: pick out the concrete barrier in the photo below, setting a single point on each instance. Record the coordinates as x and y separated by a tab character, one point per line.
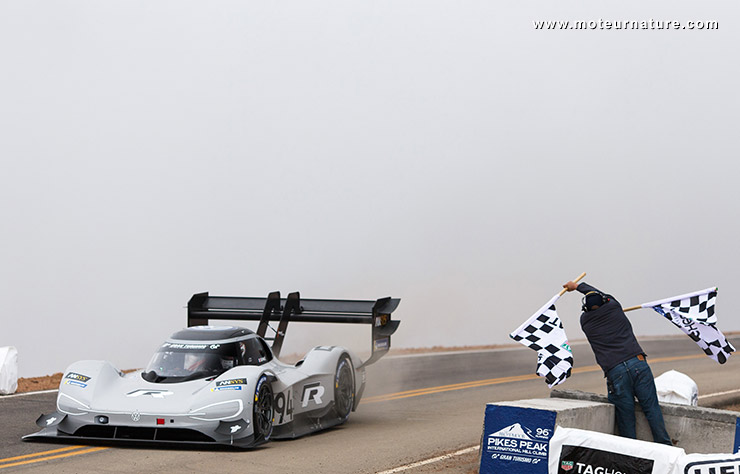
516	434
572	412
695	429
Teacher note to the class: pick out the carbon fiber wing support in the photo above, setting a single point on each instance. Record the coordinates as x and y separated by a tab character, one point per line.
203	307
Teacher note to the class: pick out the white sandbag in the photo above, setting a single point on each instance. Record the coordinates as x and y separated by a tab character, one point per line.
8	370
675	387
574	451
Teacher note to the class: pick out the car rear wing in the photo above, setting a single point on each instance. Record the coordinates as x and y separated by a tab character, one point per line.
203	307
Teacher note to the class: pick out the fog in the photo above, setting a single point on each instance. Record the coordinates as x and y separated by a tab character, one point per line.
445	153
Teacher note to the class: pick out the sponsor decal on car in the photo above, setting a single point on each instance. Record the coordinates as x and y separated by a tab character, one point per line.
382	320
381	344
78	380
231	384
171	345
312	391
76	376
221	383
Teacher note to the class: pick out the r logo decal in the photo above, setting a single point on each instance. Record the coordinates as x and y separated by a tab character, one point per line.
312	391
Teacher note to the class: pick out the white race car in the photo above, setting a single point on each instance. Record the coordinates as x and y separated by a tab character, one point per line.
223	385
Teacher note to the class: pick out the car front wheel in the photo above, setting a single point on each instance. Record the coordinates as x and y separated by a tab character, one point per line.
263	415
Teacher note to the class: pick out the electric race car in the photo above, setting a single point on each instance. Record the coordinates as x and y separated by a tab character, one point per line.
224	385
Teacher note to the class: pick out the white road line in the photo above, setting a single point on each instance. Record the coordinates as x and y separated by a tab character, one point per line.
25	394
431	460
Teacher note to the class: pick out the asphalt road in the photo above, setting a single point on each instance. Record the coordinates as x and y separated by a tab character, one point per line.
415	408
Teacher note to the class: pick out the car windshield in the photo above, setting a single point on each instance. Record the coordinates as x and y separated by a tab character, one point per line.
175	362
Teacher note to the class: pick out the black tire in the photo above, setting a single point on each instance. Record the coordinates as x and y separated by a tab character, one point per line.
344	388
263	414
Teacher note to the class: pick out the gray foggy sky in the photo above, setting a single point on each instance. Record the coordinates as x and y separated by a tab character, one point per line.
443	152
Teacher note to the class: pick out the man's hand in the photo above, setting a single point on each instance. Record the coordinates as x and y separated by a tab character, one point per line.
570	286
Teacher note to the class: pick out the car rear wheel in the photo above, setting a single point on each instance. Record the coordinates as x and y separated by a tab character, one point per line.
344	388
263	414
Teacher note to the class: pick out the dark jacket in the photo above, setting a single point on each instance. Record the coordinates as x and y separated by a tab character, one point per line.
609	332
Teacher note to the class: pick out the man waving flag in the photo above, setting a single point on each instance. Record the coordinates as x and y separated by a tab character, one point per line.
694	314
544	333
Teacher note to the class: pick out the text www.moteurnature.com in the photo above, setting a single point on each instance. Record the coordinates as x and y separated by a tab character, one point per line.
624	25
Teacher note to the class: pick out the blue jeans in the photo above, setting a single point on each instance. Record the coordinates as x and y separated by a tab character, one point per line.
629	379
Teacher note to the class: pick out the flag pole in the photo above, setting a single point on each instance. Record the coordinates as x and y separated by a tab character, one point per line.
632	308
562	292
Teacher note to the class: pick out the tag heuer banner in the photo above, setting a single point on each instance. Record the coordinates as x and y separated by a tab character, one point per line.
575	451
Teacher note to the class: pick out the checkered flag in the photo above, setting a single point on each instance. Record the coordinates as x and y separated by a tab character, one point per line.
693	313
544	333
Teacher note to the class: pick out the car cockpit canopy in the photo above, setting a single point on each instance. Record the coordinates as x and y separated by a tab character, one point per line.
203	352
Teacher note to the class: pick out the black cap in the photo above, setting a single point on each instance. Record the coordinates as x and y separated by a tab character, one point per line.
594	299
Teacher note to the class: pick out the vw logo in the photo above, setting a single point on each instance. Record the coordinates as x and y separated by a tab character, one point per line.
136	416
